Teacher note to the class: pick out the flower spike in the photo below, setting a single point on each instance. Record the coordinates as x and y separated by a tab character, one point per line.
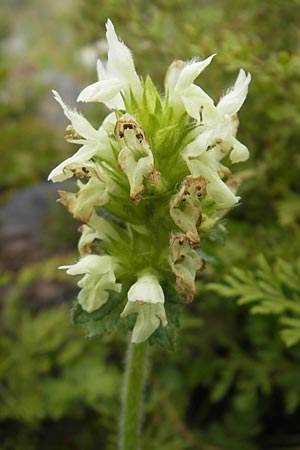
159	166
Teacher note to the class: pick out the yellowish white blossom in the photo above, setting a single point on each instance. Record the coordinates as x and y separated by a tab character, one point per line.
94	142
135	157
117	76
146	298
155	168
180	90
98	279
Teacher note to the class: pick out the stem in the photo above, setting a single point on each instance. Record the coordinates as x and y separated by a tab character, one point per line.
134	379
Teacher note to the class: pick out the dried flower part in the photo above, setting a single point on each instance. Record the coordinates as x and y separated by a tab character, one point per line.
98	229
71	134
135	158
81	204
88	235
185	263
185	207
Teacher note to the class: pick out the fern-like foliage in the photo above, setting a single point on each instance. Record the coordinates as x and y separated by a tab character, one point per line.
268	289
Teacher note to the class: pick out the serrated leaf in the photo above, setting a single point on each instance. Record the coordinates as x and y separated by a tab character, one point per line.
103	321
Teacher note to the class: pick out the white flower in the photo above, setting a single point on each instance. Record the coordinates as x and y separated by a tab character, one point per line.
146	289
135	158
81	204
146	298
98	279
203	155
82	132
208	166
180	90
118	75
232	101
220	124
97	228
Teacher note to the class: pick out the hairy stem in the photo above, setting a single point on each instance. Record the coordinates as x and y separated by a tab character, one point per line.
134	379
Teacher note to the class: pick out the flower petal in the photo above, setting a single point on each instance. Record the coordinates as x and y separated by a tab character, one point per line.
239	153
232	101
102	91
147	321
81	204
185	263
80	158
92	264
79	123
185	207
101	70
195	100
94	289
120	62
135	157
191	71
172	75
207	167
146	289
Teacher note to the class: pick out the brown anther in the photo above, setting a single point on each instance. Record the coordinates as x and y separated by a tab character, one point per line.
129	126
209	147
140	137
200	113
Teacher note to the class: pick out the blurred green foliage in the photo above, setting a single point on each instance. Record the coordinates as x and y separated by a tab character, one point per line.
48	370
232	384
268	291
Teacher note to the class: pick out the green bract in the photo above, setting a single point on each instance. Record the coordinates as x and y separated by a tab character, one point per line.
154	166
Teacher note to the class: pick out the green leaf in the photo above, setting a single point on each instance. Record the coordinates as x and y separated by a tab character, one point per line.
103	321
268	290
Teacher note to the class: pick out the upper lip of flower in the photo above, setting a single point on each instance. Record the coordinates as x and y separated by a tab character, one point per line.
118	75
180	88
232	101
146	289
91	139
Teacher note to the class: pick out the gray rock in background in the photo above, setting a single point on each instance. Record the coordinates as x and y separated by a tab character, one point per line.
22	223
